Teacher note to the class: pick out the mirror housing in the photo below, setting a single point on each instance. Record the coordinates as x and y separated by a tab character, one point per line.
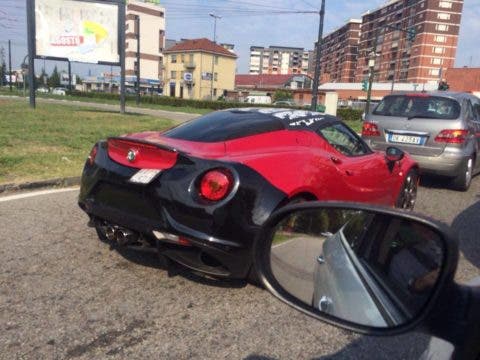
444	280
394	154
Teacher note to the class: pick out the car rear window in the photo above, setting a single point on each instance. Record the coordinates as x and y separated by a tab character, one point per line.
225	125
422	106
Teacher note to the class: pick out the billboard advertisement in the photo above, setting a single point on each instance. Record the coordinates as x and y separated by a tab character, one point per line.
82	31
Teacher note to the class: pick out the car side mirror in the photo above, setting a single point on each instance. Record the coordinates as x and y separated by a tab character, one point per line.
368	269
394	154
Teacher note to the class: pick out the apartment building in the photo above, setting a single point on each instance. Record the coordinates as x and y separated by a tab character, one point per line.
152	42
339	51
196	68
276	60
425	59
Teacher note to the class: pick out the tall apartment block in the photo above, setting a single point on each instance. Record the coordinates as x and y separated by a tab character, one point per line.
152	40
280	60
339	52
436	24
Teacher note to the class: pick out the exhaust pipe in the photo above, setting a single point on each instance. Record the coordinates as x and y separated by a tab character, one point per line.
110	233
125	237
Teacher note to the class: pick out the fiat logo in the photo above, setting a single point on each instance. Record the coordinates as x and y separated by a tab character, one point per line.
131	155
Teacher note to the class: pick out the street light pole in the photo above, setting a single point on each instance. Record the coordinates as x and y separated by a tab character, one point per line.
316	77
137	23
10	64
215	17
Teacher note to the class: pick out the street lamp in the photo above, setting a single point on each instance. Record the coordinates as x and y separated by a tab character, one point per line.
316	77
215	17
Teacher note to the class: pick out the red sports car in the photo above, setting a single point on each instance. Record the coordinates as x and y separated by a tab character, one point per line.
198	193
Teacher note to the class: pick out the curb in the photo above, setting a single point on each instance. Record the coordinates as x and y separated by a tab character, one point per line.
59	182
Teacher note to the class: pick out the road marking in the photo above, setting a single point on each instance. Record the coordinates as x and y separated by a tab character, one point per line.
37	193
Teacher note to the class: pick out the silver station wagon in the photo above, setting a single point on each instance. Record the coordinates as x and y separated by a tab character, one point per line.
440	130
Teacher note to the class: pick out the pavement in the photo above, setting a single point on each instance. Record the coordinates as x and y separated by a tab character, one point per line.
177	117
66	295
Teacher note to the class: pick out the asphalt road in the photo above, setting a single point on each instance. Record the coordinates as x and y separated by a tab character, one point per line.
64	294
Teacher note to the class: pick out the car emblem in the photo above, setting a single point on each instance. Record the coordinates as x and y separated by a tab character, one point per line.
131	156
407	126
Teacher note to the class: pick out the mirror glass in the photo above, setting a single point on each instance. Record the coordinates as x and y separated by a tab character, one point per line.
370	269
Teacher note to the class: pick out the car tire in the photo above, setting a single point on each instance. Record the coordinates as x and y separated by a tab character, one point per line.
408	193
463	180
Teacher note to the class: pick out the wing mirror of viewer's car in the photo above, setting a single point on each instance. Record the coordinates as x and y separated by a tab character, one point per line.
376	271
393	154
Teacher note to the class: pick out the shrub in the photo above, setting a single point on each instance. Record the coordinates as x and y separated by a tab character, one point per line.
347	114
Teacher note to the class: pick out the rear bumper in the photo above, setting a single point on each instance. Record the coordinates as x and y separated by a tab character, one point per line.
224	232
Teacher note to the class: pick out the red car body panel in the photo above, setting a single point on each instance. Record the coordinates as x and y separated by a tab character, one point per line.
299	162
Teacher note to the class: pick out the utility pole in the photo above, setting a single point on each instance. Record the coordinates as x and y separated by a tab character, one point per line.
215	17
316	77
137	25
69	76
10	64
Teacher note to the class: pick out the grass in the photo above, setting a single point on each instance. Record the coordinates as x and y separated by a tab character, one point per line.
130	101
54	140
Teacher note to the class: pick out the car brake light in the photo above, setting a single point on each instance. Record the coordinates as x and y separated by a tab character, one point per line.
216	184
93	155
370	129
452	136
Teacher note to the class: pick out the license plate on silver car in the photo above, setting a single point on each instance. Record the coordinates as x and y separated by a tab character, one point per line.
144	176
405	139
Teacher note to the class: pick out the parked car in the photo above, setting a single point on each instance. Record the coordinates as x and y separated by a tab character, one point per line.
385	272
258	99
287	103
439	130
59	91
200	192
43	90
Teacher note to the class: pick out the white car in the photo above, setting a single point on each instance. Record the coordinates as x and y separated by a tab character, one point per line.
59	91
43	90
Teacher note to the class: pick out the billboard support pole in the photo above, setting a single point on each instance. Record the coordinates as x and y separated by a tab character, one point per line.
31	50
137	20
122	55
69	76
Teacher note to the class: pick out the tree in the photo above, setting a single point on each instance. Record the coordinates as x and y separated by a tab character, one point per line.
78	80
42	80
54	79
281	94
3	67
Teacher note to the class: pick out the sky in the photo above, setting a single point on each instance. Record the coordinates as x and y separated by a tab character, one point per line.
242	23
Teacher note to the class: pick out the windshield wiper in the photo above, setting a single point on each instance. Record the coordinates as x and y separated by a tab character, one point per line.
425	116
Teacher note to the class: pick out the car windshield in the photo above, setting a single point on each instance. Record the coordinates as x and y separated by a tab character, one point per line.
225	125
422	106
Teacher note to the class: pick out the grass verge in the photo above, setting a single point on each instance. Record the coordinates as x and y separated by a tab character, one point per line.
54	140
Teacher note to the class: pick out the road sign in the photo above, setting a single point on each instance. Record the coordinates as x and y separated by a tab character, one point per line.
188	77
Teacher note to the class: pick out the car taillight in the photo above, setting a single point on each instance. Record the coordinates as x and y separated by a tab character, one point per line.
370	129
93	155
452	136
216	184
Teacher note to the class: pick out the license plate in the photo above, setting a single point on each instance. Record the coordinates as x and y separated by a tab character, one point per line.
144	176
405	139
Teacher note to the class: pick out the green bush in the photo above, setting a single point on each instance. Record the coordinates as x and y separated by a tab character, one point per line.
347	114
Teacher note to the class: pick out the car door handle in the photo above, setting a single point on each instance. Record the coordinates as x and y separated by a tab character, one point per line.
349	172
335	160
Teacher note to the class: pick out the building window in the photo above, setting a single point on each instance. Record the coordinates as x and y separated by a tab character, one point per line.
161	41
437	61
441	27
443	16
434	72
214	92
216	60
440	38
191	58
182	58
445	4
173	74
215	76
438	50
174	59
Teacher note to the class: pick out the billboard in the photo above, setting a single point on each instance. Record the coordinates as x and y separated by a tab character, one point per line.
76	30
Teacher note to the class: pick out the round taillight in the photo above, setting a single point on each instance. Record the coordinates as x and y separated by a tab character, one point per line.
216	184
93	155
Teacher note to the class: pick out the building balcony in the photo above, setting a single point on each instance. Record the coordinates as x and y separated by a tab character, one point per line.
189	65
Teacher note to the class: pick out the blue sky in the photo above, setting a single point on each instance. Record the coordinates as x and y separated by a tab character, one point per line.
245	23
